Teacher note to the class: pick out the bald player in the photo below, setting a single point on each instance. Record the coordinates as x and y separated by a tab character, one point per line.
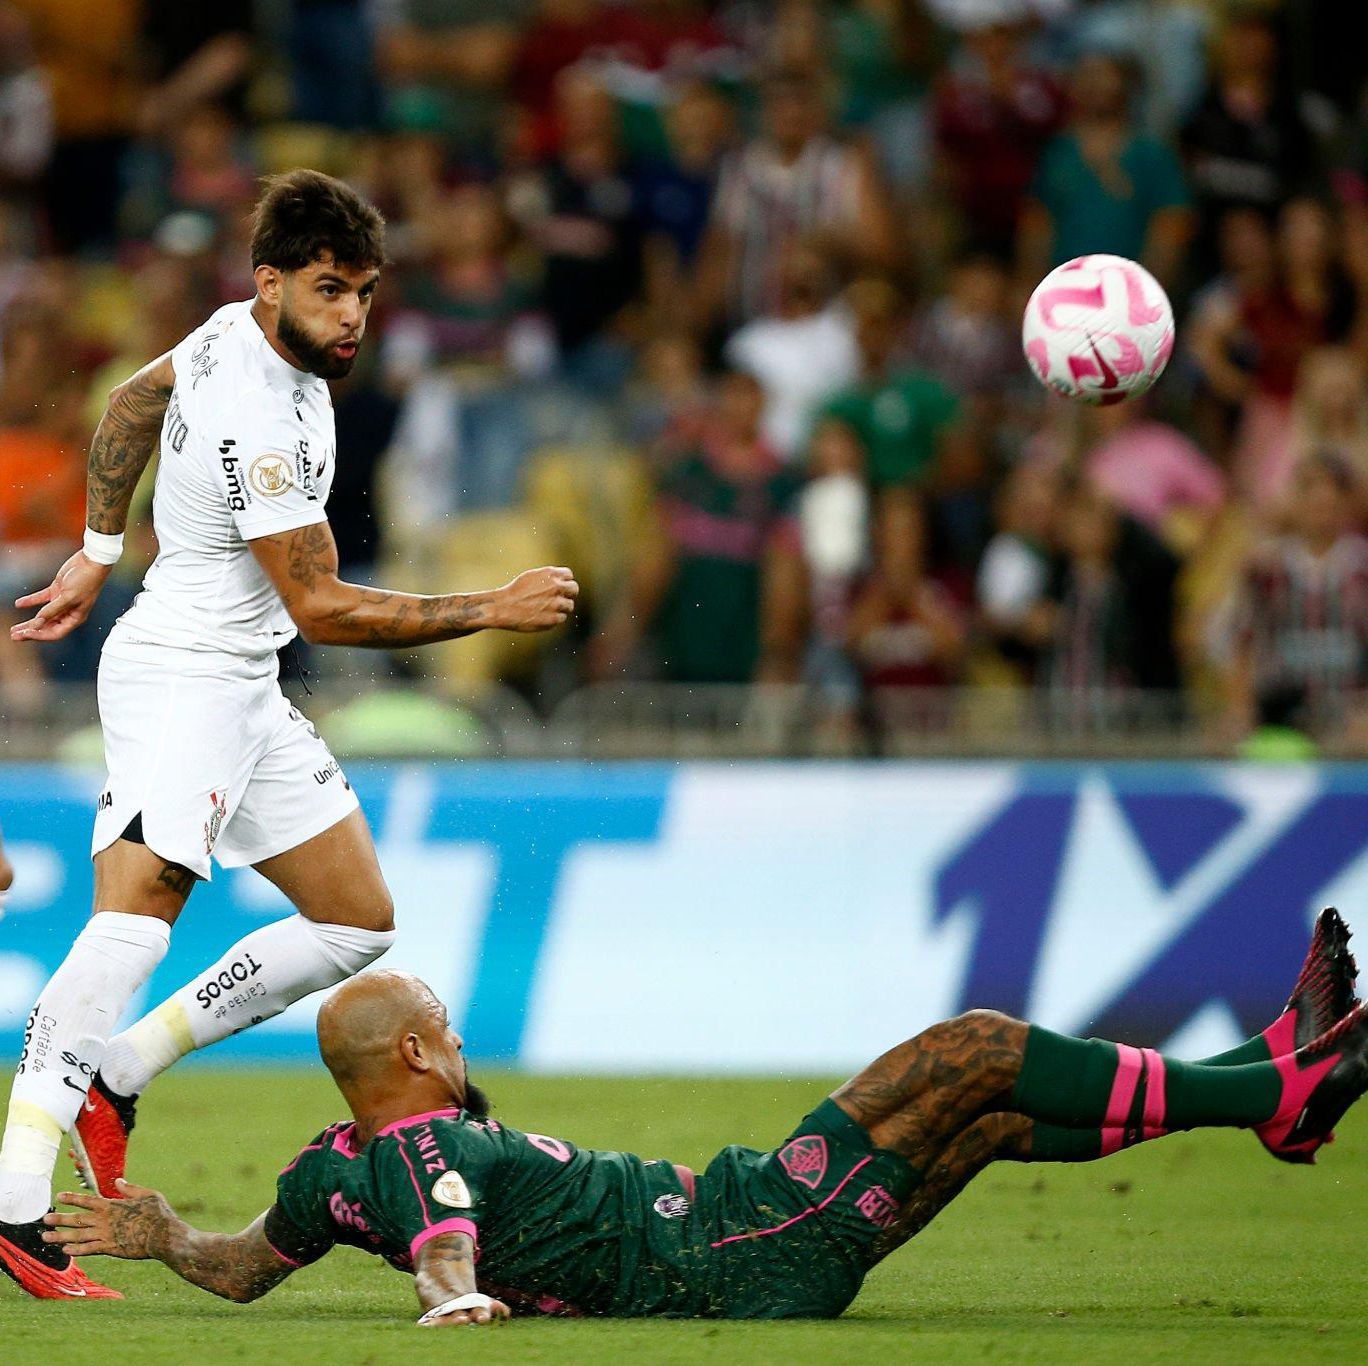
423	1177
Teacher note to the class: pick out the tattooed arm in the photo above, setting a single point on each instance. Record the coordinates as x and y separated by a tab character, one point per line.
142	1226
444	1270
119	451
302	564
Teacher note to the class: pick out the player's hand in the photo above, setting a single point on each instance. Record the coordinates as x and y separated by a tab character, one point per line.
496	1312
537	600
65	603
131	1227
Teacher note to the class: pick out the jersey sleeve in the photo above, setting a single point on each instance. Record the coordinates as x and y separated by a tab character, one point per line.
299	1226
264	469
437	1179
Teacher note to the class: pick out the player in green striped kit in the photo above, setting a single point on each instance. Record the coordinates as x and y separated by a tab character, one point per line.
491	1219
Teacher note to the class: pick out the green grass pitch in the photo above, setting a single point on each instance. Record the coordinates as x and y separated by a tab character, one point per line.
1197	1248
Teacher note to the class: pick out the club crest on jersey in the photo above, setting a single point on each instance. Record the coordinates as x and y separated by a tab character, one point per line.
805	1160
219	802
270	475
450	1189
671	1206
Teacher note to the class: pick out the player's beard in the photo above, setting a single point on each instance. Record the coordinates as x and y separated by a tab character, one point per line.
476	1102
320	360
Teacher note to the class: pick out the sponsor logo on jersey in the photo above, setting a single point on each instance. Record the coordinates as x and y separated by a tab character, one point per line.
805	1160
878	1206
450	1189
269	475
238	496
106	800
304	470
672	1206
328	772
219	804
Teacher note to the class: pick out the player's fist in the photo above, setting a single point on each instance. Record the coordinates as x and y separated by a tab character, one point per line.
490	1311
65	603
536	600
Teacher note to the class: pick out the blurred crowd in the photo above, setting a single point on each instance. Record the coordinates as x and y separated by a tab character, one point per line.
718	302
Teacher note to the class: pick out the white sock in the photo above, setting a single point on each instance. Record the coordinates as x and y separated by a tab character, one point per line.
64	1043
257	978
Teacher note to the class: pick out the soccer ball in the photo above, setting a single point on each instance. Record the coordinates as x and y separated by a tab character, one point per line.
1099	329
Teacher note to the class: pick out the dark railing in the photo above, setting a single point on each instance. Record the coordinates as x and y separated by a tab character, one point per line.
681	721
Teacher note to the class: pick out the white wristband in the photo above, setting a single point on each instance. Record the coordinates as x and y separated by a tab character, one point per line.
472	1299
101	548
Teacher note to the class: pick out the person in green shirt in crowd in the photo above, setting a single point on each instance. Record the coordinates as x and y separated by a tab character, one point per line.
906	420
1105	186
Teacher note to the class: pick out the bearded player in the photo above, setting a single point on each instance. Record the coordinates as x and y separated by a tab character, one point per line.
206	758
424	1178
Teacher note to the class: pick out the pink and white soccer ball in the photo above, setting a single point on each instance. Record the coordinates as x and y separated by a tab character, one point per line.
1099	329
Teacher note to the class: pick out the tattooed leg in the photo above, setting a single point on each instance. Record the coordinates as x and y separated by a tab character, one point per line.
991	1138
919	1095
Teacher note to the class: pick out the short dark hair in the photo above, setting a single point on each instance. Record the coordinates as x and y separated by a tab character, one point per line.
305	215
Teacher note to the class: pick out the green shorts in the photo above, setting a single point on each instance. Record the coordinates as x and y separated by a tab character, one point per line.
792	1231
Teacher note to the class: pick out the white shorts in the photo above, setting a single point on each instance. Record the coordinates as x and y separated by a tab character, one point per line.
212	756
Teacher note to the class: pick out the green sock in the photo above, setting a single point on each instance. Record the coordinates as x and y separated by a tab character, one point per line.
1052	1143
1252	1050
1089	1083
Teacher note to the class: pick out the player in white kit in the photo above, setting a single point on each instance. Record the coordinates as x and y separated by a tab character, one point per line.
206	757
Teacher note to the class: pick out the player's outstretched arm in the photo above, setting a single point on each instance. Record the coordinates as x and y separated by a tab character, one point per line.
302	564
444	1277
123	443
143	1226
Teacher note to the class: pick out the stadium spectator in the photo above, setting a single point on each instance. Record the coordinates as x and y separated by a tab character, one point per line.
1013	580
469	292
803	354
1215	341
209	174
905	419
1103	185
969	340
25	109
675	190
721	585
194	55
42	481
1309	301
833	519
332	63
794	180
904	629
443	64
1154	473
1302	620
667	399
1114	602
585	219
88	49
1247	145
1330	410
994	114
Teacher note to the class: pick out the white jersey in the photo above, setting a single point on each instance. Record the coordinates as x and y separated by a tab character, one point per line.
247	450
